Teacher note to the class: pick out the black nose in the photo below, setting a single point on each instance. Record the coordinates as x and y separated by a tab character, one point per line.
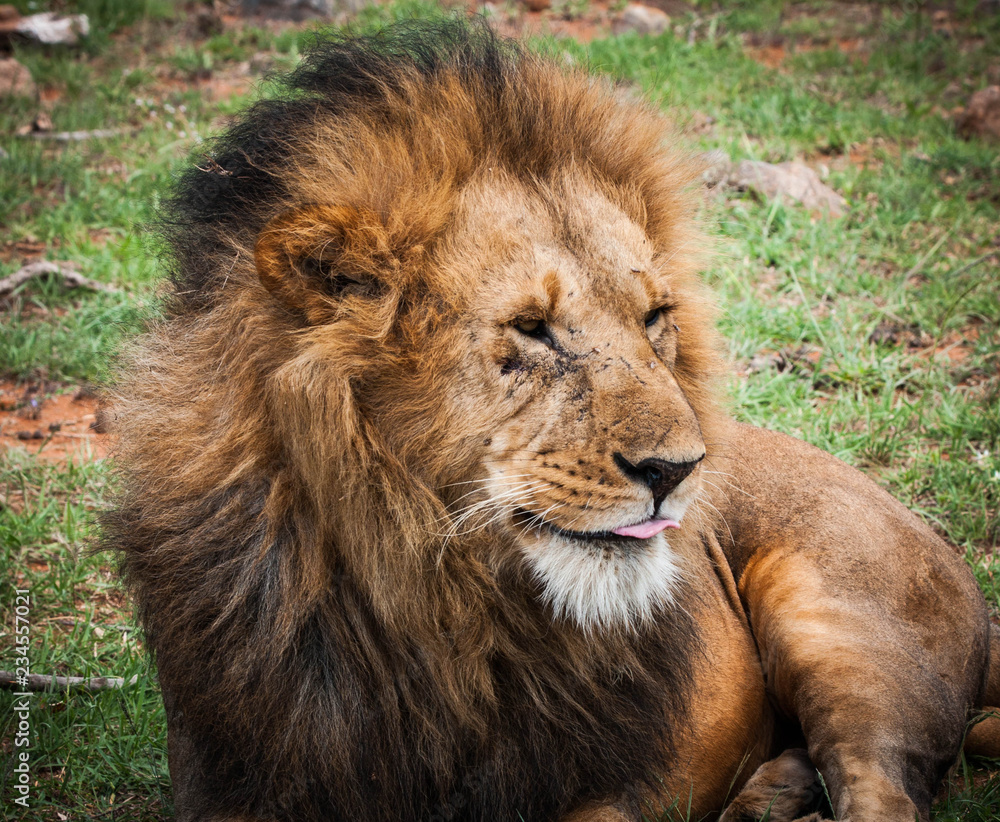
660	476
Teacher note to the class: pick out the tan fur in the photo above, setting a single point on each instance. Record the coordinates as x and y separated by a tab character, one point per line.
366	493
779	789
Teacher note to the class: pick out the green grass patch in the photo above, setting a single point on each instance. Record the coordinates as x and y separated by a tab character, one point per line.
90	752
105	16
875	337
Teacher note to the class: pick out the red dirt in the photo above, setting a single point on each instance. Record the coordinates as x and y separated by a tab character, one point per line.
774	54
56	427
770	56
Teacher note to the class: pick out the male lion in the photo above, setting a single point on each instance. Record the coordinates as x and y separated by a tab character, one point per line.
418	512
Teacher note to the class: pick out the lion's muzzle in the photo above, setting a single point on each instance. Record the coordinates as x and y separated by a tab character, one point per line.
659	475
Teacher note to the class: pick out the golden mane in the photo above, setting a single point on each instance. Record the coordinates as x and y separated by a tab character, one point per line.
282	541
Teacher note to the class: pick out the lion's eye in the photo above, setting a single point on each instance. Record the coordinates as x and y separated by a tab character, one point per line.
536	329
652	316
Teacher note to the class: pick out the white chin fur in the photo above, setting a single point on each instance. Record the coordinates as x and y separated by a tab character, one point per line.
600	589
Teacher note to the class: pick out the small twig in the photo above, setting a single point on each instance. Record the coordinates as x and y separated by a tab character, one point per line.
72	623
43	268
44	682
946	315
973	264
919	264
75	136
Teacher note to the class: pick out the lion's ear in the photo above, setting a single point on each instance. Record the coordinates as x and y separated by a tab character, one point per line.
308	256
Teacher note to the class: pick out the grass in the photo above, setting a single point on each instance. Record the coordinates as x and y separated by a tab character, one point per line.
876	337
89	752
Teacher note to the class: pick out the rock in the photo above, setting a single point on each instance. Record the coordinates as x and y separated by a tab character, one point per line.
766	361
15	80
888	332
208	22
795	180
642	19
716	168
701	123
260	64
300	9
49	28
42	124
538	5
981	117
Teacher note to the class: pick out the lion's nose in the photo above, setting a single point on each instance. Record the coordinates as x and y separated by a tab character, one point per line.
660	476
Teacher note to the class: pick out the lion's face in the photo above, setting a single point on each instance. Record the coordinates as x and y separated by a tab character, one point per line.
537	364
589	453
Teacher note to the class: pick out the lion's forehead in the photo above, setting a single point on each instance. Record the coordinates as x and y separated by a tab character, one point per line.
522	239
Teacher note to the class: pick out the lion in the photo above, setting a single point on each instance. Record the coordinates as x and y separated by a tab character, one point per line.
429	507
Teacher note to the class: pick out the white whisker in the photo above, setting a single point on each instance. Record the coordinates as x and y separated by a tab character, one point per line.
700	499
500	503
732	485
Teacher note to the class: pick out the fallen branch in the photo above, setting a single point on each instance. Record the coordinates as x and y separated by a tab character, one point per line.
75	136
44	682
43	268
48	27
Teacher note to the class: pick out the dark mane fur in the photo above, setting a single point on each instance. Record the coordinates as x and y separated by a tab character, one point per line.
339	76
329	670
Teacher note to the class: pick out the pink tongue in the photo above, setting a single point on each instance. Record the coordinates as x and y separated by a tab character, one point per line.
647	529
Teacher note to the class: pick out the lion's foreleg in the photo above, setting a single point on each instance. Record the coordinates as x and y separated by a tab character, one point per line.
872	632
882	716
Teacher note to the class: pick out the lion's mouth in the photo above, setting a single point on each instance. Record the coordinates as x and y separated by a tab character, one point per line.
627	533
647	528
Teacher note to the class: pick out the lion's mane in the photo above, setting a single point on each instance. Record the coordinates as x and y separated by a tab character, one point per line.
325	657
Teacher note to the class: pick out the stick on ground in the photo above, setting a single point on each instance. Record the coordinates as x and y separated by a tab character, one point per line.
44	682
44	268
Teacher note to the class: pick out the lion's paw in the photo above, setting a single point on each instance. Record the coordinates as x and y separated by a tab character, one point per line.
779	791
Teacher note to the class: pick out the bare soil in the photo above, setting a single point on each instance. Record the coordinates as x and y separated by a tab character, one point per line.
55	422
